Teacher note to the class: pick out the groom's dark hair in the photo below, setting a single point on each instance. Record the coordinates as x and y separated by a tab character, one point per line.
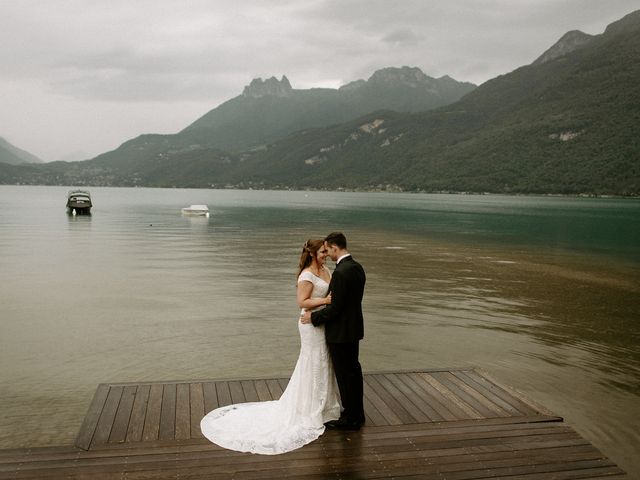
338	239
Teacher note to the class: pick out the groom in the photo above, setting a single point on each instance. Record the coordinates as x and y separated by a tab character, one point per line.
344	328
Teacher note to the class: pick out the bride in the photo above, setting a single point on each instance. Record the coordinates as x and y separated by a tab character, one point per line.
311	398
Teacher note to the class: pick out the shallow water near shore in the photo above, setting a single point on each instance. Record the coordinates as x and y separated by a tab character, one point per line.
542	292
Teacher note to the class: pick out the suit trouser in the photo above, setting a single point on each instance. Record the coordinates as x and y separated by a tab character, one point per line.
344	357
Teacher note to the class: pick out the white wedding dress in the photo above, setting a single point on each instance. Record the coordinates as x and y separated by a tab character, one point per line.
297	418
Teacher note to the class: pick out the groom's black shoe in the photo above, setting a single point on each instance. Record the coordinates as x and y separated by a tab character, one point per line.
343	424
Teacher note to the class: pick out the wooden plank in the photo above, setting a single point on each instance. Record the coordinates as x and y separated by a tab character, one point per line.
103	430
259	465
403	396
237	395
482	399
521	471
431	453
432	449
210	396
372	415
453	426
138	413
372	396
249	390
262	389
367	418
447	431
284	383
426	442
430	404
442	427
374	382
446	379
386	416
607	473
477	453
370	466
183	411
447	460
270	467
463	468
121	421
275	389
88	427
501	392
423	412
442	402
468	411
423	450
168	412
224	396
535	407
154	408
493	393
364	434
196	395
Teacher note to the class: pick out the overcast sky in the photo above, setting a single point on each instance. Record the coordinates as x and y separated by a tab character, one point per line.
79	77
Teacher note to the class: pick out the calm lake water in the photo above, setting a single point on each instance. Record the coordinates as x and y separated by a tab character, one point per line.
544	293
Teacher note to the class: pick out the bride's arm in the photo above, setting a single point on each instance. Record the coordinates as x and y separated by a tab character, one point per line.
304	296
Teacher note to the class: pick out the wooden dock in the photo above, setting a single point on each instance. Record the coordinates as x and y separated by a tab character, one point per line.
431	424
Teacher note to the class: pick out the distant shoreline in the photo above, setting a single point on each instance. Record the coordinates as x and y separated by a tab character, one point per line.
389	189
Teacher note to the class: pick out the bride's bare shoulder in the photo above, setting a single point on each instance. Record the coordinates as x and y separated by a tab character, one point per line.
302	275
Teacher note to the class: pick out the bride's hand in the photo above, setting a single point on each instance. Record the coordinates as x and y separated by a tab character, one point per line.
327	299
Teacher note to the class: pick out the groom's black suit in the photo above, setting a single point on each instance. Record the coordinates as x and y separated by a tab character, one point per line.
344	328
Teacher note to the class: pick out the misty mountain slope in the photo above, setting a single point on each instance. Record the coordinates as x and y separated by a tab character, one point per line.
15	156
270	109
568	125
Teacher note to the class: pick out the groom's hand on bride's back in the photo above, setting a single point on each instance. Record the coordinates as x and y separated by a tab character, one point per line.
305	317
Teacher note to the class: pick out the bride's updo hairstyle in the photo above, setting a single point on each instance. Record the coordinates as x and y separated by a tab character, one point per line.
309	250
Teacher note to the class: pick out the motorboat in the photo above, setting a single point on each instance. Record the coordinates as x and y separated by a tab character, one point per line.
79	202
196	210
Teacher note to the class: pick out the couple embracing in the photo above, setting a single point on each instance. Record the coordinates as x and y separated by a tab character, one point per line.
326	387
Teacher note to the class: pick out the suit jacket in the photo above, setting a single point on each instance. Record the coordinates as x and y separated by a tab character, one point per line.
343	318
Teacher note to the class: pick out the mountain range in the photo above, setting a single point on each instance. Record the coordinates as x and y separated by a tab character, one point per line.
271	109
567	123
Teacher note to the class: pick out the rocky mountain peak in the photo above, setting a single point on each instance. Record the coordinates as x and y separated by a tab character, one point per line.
411	78
407	76
569	42
269	87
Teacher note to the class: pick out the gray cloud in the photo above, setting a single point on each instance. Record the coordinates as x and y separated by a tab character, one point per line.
402	37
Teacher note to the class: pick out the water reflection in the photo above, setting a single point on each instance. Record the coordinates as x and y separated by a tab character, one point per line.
584	306
85	216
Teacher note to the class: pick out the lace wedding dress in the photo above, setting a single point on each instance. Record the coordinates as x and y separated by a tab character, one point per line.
297	418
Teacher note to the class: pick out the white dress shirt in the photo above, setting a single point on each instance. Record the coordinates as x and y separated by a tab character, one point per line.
343	257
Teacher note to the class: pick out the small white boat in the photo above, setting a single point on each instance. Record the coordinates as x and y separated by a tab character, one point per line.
197	210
